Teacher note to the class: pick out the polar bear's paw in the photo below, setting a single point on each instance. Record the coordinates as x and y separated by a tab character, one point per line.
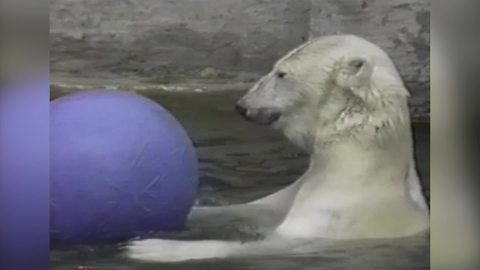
158	250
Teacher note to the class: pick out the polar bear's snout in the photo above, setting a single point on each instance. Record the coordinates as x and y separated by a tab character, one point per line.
263	116
267	100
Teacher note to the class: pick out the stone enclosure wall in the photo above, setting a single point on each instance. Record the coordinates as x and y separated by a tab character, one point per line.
225	42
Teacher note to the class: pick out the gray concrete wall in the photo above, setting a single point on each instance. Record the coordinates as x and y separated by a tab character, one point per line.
226	41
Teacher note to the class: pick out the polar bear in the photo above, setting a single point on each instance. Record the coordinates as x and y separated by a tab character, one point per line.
341	99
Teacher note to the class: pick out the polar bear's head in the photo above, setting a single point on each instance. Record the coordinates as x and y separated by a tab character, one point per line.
330	87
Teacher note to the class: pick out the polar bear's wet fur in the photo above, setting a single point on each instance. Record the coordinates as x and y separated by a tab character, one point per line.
341	99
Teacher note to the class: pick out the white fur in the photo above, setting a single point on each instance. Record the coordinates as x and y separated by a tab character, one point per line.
353	120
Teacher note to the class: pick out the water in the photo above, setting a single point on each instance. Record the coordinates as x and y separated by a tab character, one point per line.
239	162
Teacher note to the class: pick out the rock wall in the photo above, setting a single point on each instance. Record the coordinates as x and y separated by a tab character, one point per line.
226	41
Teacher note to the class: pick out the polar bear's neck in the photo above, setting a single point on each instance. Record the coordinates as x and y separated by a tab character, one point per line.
358	189
349	166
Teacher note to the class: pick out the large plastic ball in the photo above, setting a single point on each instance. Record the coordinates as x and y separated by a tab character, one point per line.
121	166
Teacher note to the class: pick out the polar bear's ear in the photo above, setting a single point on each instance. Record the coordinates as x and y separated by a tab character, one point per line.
354	72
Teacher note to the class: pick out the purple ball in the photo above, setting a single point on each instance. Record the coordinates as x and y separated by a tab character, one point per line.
121	166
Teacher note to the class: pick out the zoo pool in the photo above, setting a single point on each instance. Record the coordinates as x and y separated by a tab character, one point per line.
239	162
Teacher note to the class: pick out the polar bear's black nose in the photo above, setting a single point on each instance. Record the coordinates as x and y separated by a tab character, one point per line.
260	115
241	110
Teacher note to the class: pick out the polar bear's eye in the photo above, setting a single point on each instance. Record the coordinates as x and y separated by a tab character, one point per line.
281	74
357	63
